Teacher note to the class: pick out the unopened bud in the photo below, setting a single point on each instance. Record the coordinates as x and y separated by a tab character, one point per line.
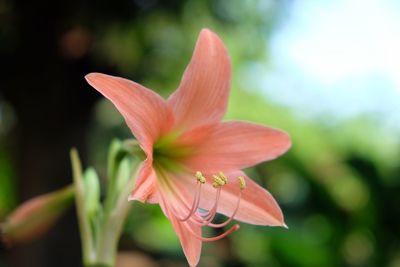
34	217
92	192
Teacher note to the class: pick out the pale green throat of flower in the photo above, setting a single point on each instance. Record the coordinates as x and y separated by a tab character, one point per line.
167	154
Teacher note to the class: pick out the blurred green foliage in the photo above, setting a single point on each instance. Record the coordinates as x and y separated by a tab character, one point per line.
7	173
7	180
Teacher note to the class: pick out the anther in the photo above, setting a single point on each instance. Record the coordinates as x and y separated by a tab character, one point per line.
242	182
223	177
200	177
218	181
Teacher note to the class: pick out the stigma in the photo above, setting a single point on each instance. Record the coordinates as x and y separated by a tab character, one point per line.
205	218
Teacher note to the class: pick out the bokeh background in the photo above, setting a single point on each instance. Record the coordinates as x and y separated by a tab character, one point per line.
326	71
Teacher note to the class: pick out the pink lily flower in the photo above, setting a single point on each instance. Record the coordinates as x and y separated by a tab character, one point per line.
194	160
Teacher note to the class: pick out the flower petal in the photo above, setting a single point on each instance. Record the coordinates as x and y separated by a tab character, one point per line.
145	112
257	205
145	189
234	145
203	93
191	245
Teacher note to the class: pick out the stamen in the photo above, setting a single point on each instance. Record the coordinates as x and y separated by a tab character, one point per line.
215	238
194	207
218	181
205	218
242	185
196	201
242	182
223	177
200	177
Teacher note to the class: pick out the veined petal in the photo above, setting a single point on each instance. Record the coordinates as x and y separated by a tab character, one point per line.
145	189
190	244
145	112
257	205
234	145
203	93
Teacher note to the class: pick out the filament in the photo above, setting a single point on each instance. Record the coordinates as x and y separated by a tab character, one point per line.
219	225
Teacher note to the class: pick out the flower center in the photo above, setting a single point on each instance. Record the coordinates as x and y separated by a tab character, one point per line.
168	154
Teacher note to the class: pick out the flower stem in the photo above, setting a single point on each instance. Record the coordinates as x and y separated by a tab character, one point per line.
101	227
85	230
114	221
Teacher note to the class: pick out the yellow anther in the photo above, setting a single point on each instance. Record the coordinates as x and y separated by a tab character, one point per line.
218	181
223	177
242	182
200	177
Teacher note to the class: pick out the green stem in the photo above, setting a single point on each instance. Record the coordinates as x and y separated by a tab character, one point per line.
114	221
84	226
100	232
